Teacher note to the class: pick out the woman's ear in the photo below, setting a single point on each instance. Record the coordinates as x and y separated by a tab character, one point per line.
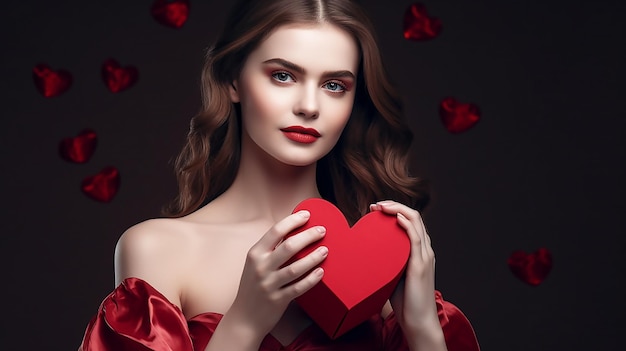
234	94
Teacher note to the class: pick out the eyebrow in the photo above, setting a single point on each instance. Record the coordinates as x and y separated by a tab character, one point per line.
293	67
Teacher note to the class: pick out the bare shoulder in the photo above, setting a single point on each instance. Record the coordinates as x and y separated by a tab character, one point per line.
155	251
151	237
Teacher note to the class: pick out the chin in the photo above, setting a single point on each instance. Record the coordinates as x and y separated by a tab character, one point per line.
298	160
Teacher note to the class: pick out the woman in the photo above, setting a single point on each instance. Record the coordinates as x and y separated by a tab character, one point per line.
296	104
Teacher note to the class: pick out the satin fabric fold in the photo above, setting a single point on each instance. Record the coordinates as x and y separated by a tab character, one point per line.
136	317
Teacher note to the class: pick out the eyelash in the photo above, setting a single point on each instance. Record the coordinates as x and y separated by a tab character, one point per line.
275	74
342	87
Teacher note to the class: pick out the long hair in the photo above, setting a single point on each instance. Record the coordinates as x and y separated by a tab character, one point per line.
369	162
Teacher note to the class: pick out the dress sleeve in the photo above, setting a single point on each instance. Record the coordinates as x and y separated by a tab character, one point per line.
136	317
457	329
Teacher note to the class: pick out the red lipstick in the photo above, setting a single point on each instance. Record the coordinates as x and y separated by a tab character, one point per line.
301	134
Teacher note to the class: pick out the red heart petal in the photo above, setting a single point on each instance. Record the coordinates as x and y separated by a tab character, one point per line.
80	148
458	117
118	78
363	266
51	83
418	25
102	186
171	13
531	268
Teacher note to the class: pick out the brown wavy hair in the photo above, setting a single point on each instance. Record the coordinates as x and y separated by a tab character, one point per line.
369	162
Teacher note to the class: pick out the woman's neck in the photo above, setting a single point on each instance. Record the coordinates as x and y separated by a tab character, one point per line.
266	189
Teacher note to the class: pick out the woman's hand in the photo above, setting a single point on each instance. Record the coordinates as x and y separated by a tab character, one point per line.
413	301
266	287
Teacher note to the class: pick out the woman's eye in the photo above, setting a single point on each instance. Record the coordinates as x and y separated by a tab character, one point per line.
335	87
282	76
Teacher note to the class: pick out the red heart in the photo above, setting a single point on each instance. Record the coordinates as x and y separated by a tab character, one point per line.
51	83
531	268
171	13
458	117
102	186
80	148
117	78
363	266
418	25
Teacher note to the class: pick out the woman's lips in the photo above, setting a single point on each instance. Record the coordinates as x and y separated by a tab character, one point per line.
301	134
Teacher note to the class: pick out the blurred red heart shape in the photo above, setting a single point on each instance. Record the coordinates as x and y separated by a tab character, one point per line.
80	148
531	268
418	25
458	117
118	78
51	83
102	186
171	13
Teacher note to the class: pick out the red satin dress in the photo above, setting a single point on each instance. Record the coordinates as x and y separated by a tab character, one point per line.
136	317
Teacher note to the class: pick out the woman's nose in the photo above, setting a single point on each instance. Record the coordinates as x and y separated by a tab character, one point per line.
307	104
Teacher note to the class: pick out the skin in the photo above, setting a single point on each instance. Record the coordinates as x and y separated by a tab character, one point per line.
284	83
226	257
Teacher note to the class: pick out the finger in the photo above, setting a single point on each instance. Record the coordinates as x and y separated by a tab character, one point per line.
292	245
282	228
380	206
420	240
429	247
426	249
428	240
375	207
297	269
412	215
398	209
303	285
427	237
420	249
414	237
392	207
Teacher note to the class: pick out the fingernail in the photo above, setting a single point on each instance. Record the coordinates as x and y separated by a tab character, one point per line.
319	271
305	214
321	229
323	250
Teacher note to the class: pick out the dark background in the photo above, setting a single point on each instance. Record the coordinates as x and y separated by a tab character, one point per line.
543	168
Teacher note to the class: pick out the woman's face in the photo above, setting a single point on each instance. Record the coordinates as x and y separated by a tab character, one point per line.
296	92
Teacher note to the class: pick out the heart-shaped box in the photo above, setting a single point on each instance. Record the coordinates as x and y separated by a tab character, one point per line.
363	266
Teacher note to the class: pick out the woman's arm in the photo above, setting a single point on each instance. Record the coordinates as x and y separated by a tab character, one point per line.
413	301
266	287
149	251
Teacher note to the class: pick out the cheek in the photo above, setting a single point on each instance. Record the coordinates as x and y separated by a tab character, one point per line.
341	114
263	103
